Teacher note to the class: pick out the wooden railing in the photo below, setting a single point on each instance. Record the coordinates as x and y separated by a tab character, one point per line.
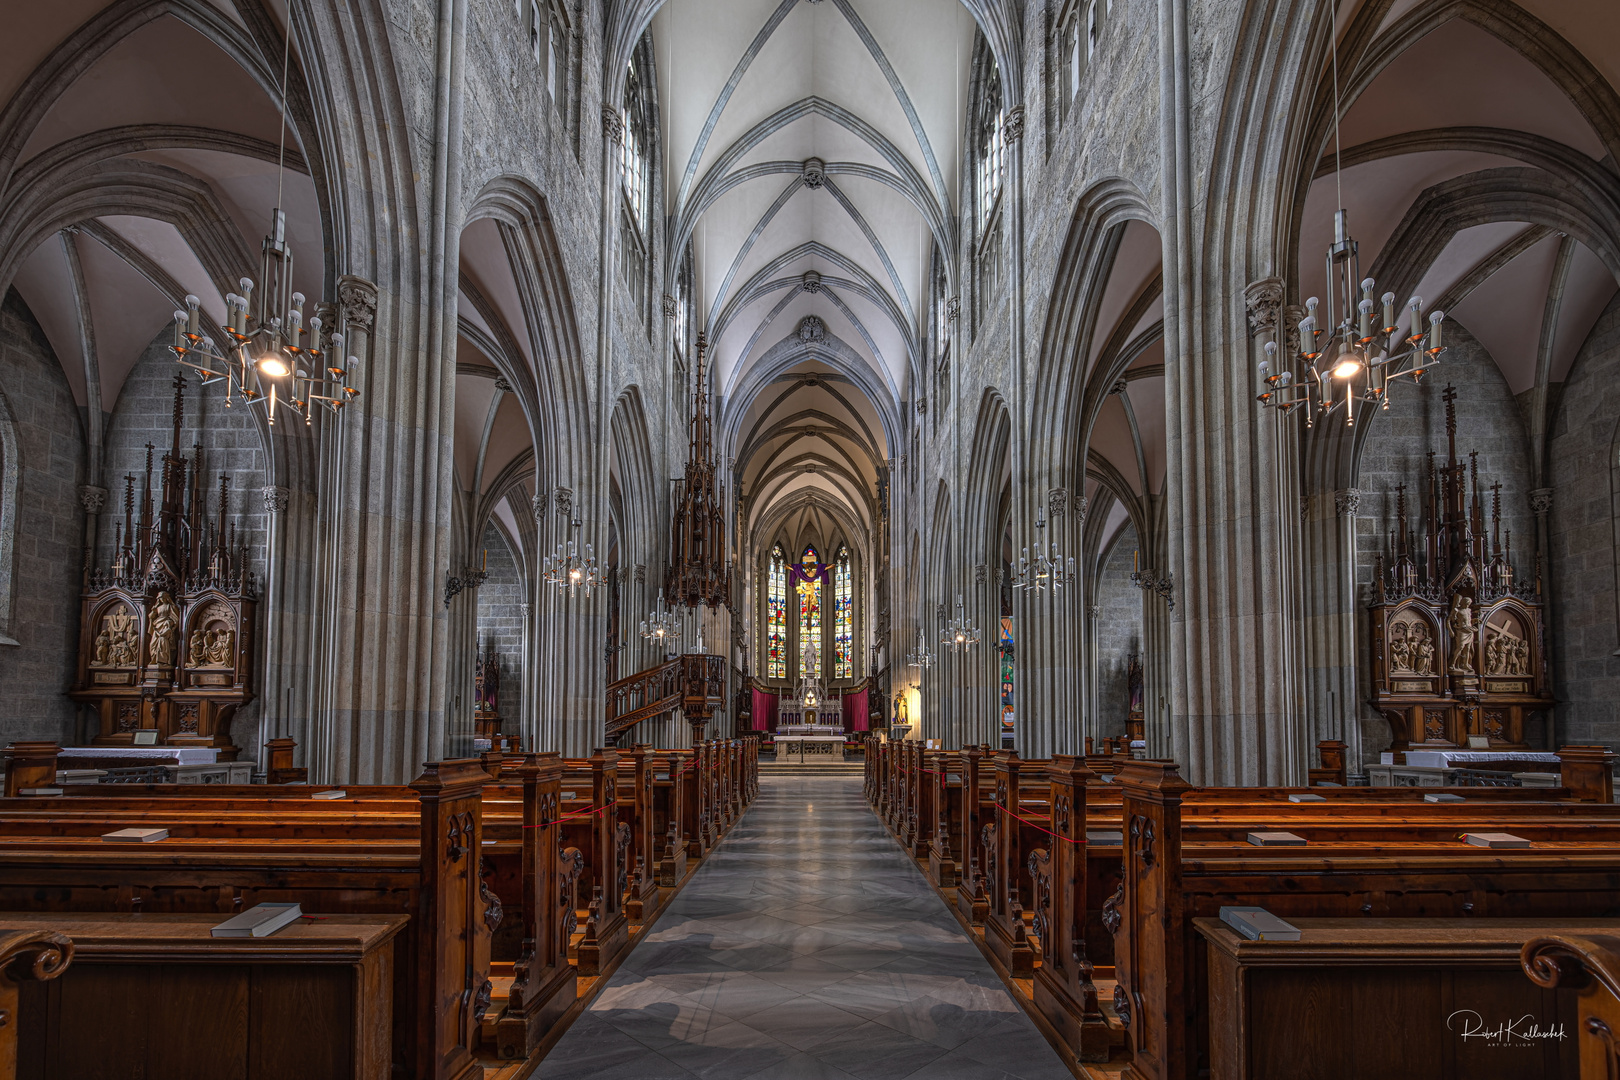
695	684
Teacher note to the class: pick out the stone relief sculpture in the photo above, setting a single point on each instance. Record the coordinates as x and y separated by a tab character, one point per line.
1461	625
221	644
1411	648
165	626
197	649
1506	653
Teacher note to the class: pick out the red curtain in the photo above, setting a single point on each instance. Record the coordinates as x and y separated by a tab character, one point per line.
764	710
855	711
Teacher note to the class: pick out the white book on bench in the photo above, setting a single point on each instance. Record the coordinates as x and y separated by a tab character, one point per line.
329	793
1496	839
1276	839
1258	924
136	836
1444	796
1307	798
260	920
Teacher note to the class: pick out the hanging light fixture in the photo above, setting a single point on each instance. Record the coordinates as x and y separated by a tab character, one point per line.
266	359
920	657
1047	570
568	571
661	623
960	634
1343	355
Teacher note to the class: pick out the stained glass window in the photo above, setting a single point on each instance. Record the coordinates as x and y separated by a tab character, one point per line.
843	618
776	639
810	615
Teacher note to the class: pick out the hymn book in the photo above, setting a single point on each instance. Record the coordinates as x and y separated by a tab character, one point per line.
260	920
1258	924
136	836
329	793
1276	839
1495	840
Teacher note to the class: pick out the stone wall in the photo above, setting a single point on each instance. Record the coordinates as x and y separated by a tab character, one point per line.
230	440
1584	540
500	623
1118	627
47	543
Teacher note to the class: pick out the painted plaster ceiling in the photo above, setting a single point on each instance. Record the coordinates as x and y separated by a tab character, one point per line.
810	156
104	289
1448	111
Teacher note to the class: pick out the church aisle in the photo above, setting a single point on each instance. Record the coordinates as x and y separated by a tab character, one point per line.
807	947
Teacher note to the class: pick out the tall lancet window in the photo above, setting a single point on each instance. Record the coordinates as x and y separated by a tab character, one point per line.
776	629
843	617
810	570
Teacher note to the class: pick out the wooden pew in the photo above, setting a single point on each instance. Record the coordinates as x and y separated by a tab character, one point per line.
157	995
424	865
1588	963
595	829
29	954
1168	883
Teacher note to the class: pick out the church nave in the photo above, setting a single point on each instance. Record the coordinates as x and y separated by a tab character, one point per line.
806	947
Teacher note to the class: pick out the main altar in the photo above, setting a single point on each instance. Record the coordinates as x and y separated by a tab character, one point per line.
810	724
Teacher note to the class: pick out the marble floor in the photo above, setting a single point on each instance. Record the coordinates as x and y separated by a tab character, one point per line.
807	947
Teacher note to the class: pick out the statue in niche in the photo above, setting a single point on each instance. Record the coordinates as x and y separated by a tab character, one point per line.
1461	624
197	653
103	647
221	643
165	625
1422	650
1400	648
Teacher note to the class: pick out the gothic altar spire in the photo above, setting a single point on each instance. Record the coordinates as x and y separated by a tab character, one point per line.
697	562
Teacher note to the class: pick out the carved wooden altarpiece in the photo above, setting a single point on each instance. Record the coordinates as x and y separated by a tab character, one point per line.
1457	639
166	630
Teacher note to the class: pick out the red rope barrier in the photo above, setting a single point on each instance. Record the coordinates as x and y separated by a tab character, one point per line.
1034	826
576	813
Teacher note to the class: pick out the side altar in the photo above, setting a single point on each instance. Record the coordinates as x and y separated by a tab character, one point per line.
1458	645
166	630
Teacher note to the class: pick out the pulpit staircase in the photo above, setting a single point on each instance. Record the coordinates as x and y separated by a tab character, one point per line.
695	684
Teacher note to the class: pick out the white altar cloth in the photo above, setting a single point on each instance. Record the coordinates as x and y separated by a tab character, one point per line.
156	755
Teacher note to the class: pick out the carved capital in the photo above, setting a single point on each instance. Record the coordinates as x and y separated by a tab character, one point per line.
953	308
612	125
1347	501
811	328
564	500
1264	300
357	298
92	498
275	499
1082	507
502	385
812	281
1541	501
641	574
1013	126
670	307
940	611
815	172
1119	387
537	504
1057	503
981	573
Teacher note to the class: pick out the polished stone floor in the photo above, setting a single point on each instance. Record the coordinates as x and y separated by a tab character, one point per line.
807	946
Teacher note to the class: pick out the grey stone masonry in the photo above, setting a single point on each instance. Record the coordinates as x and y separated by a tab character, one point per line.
47	542
500	622
1118	629
1584	540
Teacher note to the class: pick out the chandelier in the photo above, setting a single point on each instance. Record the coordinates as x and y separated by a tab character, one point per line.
1343	355
660	623
920	657
265	359
1047	568
568	571
960	634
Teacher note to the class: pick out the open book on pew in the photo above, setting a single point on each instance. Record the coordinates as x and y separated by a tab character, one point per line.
260	920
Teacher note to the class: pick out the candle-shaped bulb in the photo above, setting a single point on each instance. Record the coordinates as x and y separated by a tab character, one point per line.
314	331
179	329
193	314
1389	312
1365	324
1434	331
